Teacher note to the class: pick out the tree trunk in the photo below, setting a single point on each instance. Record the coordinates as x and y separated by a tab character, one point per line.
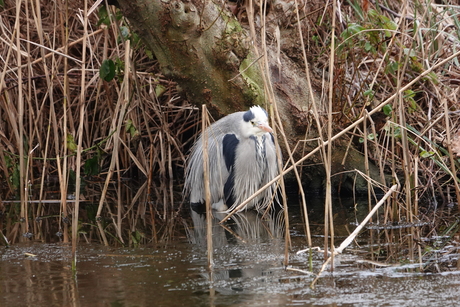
201	46
204	48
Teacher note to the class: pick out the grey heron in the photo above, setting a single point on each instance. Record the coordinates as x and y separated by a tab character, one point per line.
242	157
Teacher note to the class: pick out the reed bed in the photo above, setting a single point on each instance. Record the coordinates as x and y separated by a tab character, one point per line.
81	97
62	121
392	85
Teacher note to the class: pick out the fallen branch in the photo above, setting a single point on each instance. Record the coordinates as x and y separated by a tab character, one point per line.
353	235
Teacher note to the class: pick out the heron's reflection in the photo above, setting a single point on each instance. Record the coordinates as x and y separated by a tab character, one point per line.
248	248
246	227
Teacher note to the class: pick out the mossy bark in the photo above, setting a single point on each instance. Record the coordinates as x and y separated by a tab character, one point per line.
202	47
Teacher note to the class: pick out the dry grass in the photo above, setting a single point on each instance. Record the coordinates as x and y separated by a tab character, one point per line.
58	114
391	85
396	74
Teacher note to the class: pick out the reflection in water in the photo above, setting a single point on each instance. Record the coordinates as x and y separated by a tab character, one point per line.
248	257
104	277
248	246
243	227
248	253
26	281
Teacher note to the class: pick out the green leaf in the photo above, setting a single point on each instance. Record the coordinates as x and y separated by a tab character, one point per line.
135	39
131	129
372	136
159	90
91	166
390	25
369	93
409	97
15	177
71	145
392	67
119	65
107	70
410	52
387	109
426	154
103	16
352	29
149	53
368	46
409	94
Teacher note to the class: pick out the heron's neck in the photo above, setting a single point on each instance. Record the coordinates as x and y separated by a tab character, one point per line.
260	145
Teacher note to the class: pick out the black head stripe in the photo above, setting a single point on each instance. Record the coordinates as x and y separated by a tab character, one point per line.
248	116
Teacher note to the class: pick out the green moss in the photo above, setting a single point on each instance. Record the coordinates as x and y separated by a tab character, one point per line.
253	80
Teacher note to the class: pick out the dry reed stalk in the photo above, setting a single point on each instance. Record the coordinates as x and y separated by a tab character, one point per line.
62	174
207	189
315	110
278	127
449	139
116	125
82	107
20	132
328	214
366	157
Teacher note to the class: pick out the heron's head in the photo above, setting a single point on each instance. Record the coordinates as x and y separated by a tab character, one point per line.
256	122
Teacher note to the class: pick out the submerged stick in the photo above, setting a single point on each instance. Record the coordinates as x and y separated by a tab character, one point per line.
353	235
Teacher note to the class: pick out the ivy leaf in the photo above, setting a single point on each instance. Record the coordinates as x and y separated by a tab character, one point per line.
107	70
103	16
387	109
91	166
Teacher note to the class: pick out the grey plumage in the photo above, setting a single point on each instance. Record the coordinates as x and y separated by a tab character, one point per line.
242	159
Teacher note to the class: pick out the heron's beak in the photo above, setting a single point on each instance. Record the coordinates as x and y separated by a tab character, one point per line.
265	127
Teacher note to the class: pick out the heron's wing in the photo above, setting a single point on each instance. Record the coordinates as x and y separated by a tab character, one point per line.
228	190
229	144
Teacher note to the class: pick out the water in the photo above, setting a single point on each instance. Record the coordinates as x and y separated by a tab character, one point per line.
176	276
248	271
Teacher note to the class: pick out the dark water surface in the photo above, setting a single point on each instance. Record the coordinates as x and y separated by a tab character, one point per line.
249	271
